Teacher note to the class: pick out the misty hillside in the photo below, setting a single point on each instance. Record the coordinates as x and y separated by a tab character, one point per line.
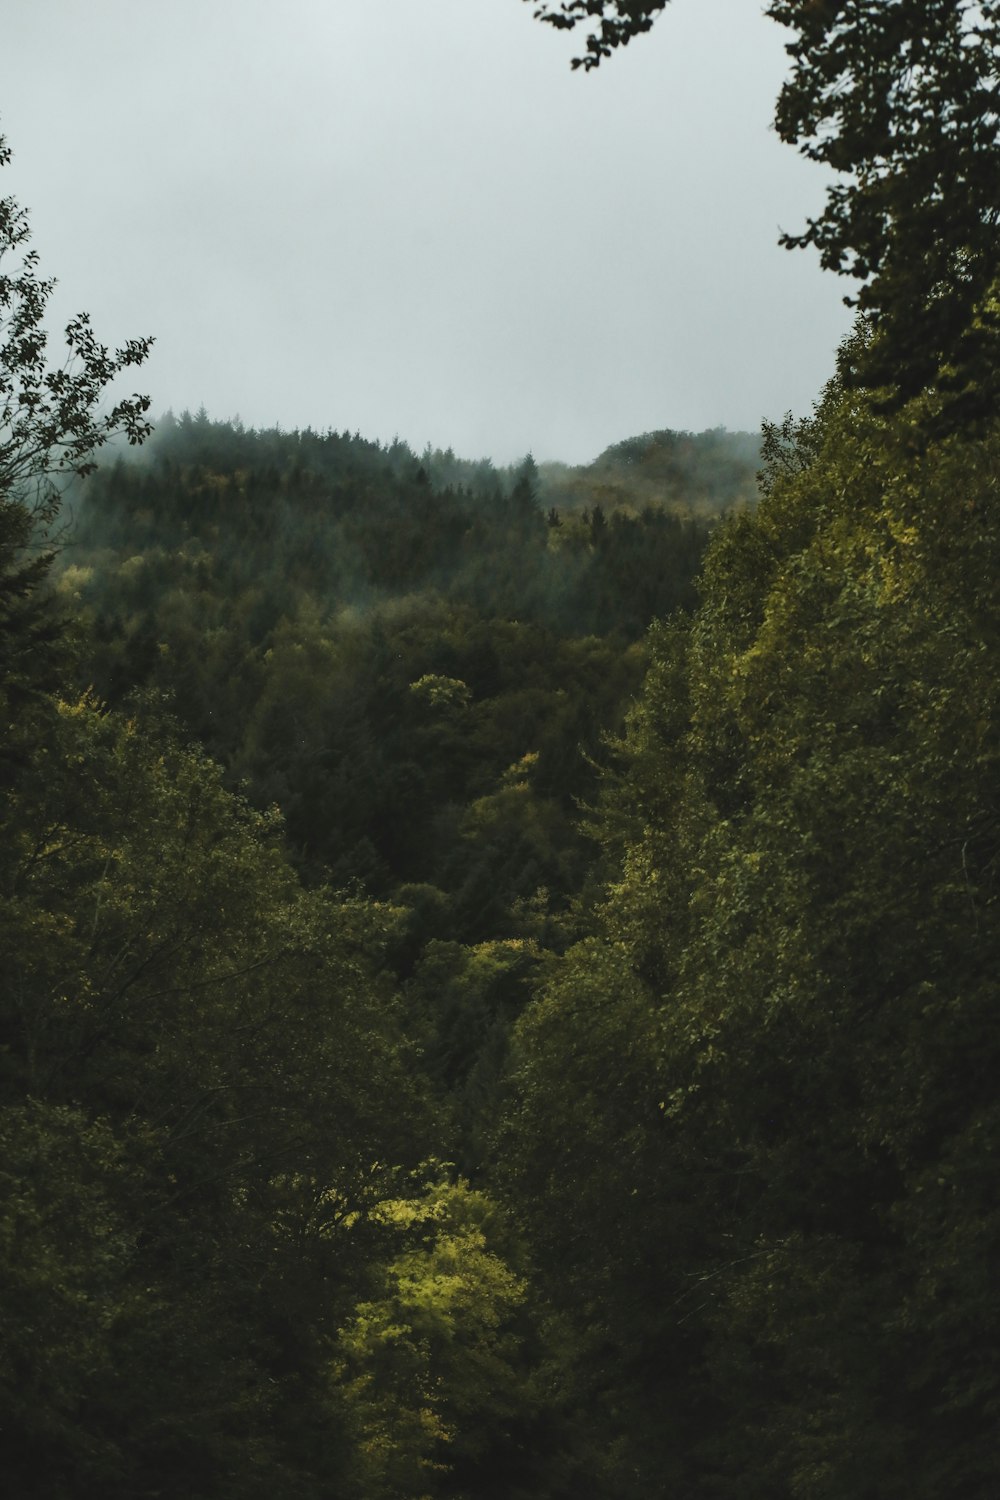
395	649
596	550
694	473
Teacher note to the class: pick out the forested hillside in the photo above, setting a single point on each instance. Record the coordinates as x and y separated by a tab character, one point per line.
301	729
499	966
703	473
336	883
383	646
781	1025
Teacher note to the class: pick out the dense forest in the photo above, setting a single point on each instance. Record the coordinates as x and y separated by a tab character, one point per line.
499	965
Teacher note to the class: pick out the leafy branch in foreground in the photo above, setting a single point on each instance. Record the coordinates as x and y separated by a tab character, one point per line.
50	422
51	426
901	98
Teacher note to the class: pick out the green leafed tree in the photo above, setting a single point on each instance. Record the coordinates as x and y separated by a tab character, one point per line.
783	1033
204	1088
52	423
900	99
432	1365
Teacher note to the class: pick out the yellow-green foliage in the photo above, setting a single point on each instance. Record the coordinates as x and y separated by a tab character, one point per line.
429	1366
784	1033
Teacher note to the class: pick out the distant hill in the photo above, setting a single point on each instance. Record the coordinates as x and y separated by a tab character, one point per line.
694	473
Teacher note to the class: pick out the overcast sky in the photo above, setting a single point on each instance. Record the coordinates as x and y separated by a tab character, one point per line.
409	217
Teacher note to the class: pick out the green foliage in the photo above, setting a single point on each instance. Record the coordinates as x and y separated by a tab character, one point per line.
206	1085
782	1033
733	1074
431	1366
51	425
409	672
680	473
900	99
463	1002
282	515
374	725
220	1272
65	1245
50	419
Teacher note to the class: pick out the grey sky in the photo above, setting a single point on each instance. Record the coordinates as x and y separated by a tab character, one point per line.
408	217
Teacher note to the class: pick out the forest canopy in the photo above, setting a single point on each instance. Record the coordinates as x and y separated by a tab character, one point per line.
499	965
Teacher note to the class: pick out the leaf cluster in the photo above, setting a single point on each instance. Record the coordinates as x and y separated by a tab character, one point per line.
779	1039
902	101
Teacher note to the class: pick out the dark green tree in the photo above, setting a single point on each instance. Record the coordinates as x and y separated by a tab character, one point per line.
203	1088
51	426
782	1034
900	98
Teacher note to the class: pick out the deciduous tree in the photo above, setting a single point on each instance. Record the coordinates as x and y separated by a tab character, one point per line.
51	426
901	99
